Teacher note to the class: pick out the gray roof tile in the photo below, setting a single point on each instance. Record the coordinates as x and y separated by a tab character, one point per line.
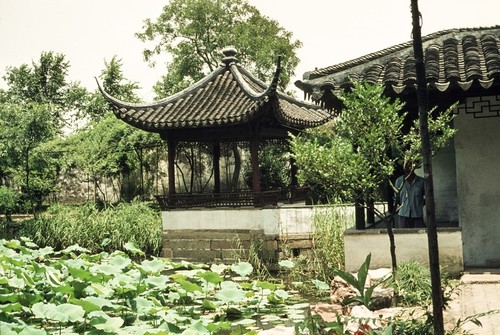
229	96
453	58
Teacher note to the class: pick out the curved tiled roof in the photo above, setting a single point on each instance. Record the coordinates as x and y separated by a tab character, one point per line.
454	58
229	96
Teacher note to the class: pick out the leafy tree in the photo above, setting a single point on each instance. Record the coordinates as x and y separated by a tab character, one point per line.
45	83
105	147
194	31
33	110
29	126
95	107
351	158
357	155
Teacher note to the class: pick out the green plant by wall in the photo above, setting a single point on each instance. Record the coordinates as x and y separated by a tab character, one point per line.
326	254
414	285
8	201
359	283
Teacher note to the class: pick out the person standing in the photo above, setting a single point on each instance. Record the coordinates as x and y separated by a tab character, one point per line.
410	198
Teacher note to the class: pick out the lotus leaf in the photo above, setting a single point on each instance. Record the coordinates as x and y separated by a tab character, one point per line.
133	249
154	266
120	262
286	264
244	269
111	325
211	277
230	292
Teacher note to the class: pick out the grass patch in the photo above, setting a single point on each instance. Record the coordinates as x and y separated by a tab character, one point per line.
95	229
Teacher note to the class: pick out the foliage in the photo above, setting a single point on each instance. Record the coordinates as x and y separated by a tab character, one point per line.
310	272
8	200
414	283
194	31
106	147
273	165
326	163
440	133
351	156
72	291
360	285
44	83
95	229
29	126
358	153
95	107
33	110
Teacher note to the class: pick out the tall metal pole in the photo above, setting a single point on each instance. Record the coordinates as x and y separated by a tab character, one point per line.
423	108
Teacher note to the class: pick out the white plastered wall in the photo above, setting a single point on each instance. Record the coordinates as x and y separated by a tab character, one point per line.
477	146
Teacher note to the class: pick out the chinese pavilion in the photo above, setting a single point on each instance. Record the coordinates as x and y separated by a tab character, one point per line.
228	105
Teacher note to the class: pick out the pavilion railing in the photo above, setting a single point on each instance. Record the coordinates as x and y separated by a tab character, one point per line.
237	198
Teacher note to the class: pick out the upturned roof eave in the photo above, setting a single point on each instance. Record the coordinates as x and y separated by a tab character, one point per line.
335	77
172	98
252	97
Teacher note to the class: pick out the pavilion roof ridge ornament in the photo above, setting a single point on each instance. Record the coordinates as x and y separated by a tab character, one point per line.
231	61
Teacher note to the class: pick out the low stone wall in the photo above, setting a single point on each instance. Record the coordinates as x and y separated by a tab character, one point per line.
411	244
221	234
223	245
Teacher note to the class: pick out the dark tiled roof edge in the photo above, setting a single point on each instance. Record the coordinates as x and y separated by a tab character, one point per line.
388	51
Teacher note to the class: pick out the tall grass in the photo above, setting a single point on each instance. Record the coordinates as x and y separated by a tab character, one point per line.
327	251
95	229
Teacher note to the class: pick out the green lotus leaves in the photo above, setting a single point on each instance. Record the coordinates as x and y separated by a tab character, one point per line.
211	277
120	262
111	325
286	263
244	269
61	313
160	281
133	249
321	285
230	292
73	292
154	266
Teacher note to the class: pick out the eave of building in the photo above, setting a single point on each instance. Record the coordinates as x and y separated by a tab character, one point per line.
456	59
230	96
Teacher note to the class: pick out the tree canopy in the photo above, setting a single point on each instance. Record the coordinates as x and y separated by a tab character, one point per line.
358	153
194	32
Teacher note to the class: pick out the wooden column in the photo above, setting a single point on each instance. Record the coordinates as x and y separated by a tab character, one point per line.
293	172
171	165
216	166
254	156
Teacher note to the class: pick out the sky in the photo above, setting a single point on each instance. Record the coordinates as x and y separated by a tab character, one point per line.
89	32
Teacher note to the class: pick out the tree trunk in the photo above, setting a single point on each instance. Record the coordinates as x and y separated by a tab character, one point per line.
422	99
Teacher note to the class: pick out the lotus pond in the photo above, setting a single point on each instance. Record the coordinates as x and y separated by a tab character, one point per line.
43	291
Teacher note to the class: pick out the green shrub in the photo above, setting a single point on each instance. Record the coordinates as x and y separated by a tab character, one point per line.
97	230
8	201
414	281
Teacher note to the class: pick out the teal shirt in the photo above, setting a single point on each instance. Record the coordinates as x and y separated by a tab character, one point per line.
410	197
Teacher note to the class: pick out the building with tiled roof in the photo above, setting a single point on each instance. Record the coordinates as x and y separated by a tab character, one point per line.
457	61
461	65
